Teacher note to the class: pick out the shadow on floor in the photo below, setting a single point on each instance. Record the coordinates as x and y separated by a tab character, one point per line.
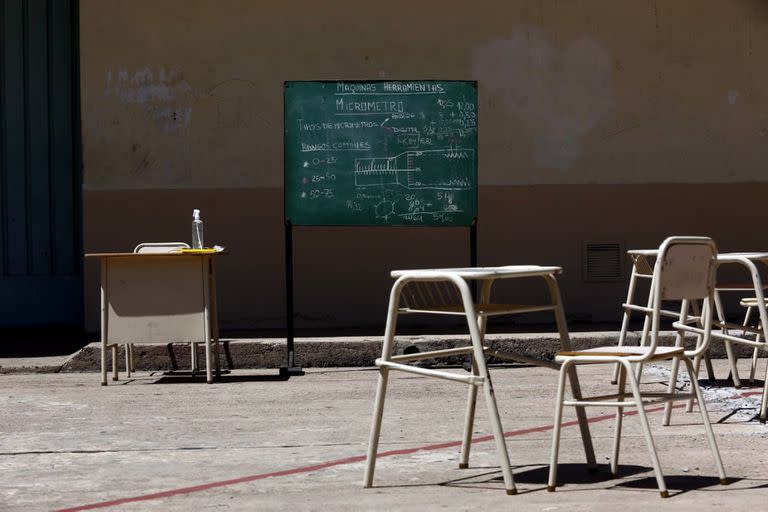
677	484
576	473
39	342
226	378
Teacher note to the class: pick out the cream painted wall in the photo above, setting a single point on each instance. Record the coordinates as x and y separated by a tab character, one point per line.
187	94
589	109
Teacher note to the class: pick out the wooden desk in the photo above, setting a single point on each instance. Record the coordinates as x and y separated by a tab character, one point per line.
157	298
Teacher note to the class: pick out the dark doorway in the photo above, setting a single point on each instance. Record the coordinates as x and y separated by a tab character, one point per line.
41	286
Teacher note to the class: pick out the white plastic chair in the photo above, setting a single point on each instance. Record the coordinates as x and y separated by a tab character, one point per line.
684	270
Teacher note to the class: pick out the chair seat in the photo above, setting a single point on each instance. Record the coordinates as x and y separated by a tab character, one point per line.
750	302
624	351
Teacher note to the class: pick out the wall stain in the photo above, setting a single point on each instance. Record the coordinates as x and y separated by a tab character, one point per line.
559	93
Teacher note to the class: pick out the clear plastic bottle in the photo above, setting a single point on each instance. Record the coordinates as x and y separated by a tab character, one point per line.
197	230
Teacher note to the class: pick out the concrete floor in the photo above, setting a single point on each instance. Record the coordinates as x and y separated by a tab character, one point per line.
252	444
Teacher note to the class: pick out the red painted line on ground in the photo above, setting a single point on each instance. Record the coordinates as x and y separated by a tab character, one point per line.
341	462
747	394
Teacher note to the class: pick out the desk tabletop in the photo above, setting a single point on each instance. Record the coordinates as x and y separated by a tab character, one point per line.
478	272
736	256
724	257
152	254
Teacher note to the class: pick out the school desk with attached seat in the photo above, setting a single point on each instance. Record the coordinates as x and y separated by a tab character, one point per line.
158	298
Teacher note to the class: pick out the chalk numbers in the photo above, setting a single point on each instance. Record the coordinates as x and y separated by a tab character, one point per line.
328	177
322	193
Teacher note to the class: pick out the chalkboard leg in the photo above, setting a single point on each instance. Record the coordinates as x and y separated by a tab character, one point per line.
290	369
473	254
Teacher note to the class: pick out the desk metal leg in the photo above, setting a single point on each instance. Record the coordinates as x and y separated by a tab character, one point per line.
193	358
622	385
381	386
764	324
104	334
469	421
115	375
646	331
207	321
753	362
469	416
625	318
707	353
672	386
490	398
565	343
764	402
214	318
728	346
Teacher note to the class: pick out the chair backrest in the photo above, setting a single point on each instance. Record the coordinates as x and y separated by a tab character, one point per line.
160	247
687	266
685	270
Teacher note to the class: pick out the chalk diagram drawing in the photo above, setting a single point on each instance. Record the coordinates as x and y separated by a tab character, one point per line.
404	176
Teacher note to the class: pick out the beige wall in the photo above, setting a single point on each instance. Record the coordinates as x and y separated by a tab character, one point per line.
182	109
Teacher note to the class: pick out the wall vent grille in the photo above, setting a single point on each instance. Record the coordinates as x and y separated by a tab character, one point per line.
602	262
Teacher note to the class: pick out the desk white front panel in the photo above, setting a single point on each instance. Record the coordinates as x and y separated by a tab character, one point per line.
156	299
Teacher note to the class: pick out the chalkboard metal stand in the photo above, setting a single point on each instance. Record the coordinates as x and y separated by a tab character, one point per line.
473	254
290	369
413	141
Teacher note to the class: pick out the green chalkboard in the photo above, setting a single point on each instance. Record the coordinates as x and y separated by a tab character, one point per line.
398	153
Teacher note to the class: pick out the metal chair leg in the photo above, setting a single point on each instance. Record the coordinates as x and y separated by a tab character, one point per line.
675	364
764	402
707	358
707	424
172	356
557	427
469	421
671	389
728	348
753	364
619	421
228	356
128	355
114	362
625	319
633	384
194	358
103	364
378	413
565	343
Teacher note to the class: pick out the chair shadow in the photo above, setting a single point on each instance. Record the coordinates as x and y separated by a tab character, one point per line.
537	476
728	383
576	473
678	484
188	378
